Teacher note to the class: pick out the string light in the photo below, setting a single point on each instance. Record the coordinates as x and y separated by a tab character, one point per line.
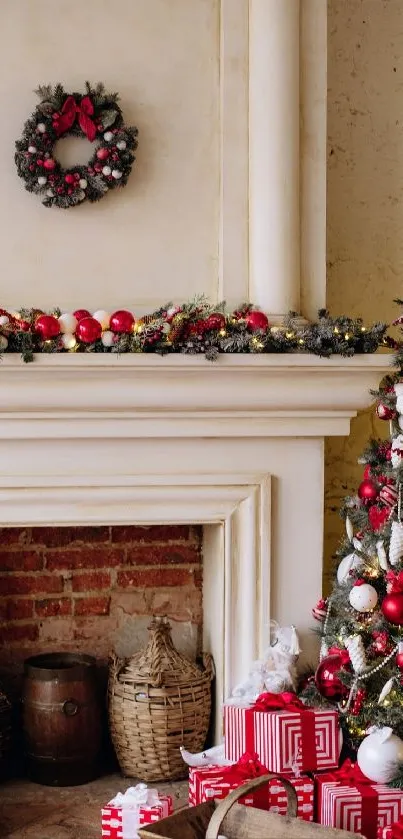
289	334
223	333
347	337
363	329
301	341
336	330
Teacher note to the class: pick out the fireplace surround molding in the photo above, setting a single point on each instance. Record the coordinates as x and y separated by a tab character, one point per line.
236	445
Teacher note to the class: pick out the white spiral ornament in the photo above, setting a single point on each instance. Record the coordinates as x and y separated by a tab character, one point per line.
396	543
356	651
382	558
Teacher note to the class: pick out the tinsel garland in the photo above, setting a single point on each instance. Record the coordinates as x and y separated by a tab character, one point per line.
193	328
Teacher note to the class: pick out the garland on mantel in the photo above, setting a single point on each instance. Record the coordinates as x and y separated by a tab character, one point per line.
193	328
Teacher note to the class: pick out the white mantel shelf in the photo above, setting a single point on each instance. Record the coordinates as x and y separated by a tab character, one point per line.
150	396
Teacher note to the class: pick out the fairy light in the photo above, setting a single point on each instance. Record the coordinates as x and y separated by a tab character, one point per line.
347	336
363	329
289	334
336	330
258	344
301	341
223	333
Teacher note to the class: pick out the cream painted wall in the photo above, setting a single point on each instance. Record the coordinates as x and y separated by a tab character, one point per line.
157	238
365	196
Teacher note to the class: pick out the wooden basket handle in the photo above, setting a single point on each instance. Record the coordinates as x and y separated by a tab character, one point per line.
231	799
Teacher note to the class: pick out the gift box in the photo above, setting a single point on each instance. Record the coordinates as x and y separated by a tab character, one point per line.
128	811
391	831
347	799
287	736
216	782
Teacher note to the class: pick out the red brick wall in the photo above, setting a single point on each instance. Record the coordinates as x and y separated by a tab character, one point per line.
81	588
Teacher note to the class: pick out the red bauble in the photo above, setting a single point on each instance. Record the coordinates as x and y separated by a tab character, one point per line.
121	321
327	679
49	163
367	491
256	320
399	660
47	327
88	330
79	314
215	321
392	608
378	516
24	325
102	154
384	413
69	178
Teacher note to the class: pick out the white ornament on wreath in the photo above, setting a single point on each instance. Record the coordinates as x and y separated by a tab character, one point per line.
67	322
380	755
108	136
4	320
106	170
117	174
347	564
3	343
363	598
108	339
102	317
68	340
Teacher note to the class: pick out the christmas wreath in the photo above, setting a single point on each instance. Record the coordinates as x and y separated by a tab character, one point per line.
95	115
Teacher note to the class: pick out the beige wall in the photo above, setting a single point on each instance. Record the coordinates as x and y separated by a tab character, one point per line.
365	195
159	236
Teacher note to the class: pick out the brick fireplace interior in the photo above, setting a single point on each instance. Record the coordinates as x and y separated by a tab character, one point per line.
93	590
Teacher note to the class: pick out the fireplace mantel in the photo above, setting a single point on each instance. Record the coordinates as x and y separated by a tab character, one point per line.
253	396
237	445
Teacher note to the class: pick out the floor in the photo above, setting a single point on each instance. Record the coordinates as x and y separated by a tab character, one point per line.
30	811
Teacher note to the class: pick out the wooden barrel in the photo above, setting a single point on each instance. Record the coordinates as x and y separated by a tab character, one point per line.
61	719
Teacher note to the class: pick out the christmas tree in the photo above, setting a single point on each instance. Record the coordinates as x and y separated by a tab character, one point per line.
361	657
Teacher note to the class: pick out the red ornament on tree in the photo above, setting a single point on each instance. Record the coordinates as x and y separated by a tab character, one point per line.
384	413
327	680
399	656
121	321
256	320
47	327
79	314
215	321
358	701
392	608
367	491
378	516
88	330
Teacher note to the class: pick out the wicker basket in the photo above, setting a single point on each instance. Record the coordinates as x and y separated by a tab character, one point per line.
158	701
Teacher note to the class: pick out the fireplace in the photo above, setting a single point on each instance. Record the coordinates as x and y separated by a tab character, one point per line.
234	446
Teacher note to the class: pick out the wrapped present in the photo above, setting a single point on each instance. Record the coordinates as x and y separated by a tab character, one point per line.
287	736
347	799
217	782
128	811
391	831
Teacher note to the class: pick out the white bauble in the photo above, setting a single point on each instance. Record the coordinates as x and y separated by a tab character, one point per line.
68	340
50	193
363	598
42	180
380	754
108	339
3	343
67	322
83	183
32	149
121	145
108	136
4	320
117	174
106	170
347	564
102	317
41	127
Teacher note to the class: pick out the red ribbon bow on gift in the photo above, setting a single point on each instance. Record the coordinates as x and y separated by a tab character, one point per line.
397	830
286	701
248	766
71	111
394	582
350	773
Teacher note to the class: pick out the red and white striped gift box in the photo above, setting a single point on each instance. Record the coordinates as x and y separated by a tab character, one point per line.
208	782
391	831
356	807
279	738
112	817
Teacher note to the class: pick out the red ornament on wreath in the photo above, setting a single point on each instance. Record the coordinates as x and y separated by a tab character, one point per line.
367	491
256	320
385	413
215	321
47	327
327	677
79	314
121	321
88	330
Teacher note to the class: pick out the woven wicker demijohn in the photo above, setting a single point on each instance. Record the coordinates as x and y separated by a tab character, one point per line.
158	701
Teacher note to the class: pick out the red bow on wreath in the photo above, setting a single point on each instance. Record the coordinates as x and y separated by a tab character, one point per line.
72	111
